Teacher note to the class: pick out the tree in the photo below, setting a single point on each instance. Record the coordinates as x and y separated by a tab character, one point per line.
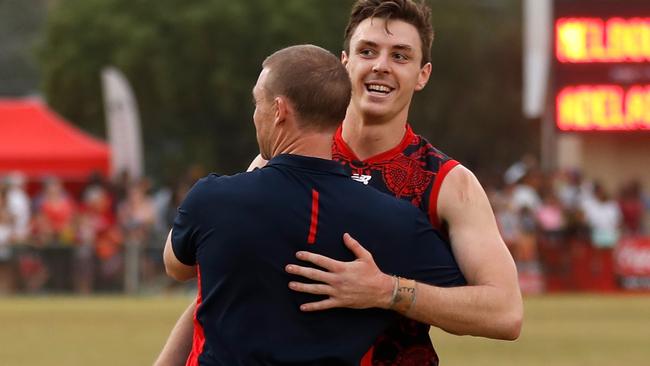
20	27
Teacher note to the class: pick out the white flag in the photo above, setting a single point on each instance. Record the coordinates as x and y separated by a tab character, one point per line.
122	124
538	29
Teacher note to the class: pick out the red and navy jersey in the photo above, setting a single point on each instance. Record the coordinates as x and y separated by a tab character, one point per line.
242	230
412	171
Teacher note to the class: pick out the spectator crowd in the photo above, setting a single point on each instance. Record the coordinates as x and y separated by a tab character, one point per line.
562	229
62	236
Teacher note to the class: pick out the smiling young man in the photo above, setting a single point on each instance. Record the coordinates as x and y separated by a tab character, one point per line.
387	55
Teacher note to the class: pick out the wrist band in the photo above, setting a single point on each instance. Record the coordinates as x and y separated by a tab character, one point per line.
404	295
394	296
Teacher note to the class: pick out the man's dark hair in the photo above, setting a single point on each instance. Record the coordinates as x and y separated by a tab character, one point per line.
315	82
414	12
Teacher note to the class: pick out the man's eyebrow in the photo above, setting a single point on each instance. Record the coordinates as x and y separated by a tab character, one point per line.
365	42
403	47
400	46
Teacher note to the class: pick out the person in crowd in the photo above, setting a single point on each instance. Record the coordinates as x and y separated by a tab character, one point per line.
19	206
6	241
137	217
604	218
55	211
551	237
632	208
96	234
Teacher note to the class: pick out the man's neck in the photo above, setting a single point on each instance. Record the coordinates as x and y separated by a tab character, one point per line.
367	140
311	144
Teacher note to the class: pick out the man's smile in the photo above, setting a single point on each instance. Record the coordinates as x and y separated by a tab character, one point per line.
378	89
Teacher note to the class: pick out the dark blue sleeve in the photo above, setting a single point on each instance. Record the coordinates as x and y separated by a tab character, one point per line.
434	262
187	227
419	252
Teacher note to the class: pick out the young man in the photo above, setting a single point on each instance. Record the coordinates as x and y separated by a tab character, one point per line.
387	55
238	232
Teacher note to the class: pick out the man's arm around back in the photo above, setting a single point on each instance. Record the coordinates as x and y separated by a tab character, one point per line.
490	306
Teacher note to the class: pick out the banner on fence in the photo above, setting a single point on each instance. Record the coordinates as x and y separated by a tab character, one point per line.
632	262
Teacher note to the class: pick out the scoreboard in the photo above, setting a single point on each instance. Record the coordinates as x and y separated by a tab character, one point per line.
601	64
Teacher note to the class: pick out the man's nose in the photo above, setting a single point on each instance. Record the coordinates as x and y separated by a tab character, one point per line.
381	65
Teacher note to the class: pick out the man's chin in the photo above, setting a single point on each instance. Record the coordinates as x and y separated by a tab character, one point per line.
375	110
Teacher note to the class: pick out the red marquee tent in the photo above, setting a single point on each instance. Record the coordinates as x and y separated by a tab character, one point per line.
37	142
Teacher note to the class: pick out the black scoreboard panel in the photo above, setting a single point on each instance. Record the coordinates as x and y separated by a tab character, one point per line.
601	53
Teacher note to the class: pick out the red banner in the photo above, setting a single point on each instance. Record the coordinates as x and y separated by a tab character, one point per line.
632	257
632	261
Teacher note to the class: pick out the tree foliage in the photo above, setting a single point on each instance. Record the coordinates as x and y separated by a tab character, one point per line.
20	27
192	65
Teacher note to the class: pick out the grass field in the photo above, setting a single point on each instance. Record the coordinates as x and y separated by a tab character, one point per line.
558	330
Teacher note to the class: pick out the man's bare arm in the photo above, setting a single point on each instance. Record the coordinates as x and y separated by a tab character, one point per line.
490	306
179	344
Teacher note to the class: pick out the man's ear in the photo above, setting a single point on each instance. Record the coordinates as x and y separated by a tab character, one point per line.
344	58
282	109
423	76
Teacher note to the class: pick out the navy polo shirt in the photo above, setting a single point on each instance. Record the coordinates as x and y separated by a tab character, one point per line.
242	231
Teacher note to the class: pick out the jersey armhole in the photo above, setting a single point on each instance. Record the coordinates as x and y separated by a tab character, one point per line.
433	198
367	358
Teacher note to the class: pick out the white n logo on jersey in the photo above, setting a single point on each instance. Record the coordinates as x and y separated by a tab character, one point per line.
362	178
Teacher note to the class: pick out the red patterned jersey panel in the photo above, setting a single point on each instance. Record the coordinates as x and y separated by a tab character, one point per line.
410	171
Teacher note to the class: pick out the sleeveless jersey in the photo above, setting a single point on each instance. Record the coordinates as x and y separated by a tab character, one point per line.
413	171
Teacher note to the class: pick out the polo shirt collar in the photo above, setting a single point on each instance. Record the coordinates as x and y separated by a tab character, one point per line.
306	162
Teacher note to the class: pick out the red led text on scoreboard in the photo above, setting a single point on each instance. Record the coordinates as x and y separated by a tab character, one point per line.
613	40
603	107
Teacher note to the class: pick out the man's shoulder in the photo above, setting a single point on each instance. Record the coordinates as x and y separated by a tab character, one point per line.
423	145
213	181
216	184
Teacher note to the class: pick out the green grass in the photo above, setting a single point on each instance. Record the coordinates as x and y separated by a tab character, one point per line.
558	330
85	331
561	331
